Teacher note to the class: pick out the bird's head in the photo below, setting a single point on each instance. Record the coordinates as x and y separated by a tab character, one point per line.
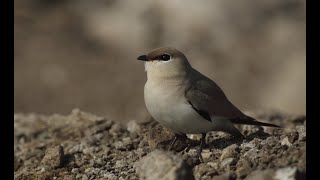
165	62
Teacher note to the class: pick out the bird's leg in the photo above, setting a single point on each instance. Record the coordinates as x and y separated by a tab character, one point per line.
176	137
202	143
235	132
188	147
173	142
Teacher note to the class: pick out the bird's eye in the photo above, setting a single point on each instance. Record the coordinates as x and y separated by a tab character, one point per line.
165	57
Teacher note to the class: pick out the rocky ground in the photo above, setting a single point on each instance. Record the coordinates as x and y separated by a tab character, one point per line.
84	146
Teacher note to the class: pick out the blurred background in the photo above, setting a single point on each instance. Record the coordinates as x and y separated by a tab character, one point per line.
82	54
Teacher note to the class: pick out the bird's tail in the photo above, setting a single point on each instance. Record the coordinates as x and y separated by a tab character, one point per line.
251	121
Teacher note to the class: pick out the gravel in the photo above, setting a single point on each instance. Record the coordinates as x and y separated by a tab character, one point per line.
82	145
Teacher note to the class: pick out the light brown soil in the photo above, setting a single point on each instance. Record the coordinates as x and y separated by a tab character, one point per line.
85	146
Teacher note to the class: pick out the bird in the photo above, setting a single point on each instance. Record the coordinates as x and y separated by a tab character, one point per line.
182	99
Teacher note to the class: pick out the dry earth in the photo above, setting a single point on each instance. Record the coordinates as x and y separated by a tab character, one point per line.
85	146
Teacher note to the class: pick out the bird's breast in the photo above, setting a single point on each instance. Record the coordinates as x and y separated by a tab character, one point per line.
160	98
168	106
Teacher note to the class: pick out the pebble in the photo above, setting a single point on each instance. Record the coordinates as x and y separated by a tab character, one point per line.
206	154
75	170
227	162
120	164
115	129
231	151
53	157
133	127
159	137
163	165
261	175
225	176
243	167
85	177
286	142
252	155
125	144
287	173
203	171
302	132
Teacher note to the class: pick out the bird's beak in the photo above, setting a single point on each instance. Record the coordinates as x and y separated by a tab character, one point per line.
143	58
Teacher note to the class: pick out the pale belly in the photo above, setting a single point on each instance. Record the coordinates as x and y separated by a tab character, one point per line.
172	111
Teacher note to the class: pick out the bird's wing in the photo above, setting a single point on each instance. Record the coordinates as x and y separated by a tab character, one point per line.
206	96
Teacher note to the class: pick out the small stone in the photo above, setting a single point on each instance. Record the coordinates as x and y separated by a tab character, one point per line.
87	170
214	165
193	153
293	136
140	152
302	132
99	136
75	170
125	144
288	173
53	157
194	136
101	162
77	114
190	160
206	154
159	137
162	165
17	163
100	127
249	130
267	159
85	177
78	176
225	176
231	151
261	175
115	129
269	130
271	141
256	142
247	145
94	171
133	127
87	150
252	155
286	142
243	168
120	164
78	148
203	171
110	176
227	162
